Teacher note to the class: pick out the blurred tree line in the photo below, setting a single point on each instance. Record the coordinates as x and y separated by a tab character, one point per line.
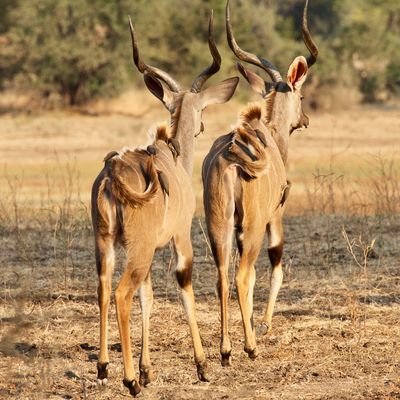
70	51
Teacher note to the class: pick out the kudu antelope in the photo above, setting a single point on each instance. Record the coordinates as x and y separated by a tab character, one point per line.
245	184
142	199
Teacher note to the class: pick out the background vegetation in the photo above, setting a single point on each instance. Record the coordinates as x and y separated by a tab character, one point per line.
67	52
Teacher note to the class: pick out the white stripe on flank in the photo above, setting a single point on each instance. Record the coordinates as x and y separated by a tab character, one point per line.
252	149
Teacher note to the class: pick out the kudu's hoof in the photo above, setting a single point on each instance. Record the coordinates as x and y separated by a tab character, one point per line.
133	386
202	372
226	359
102	374
146	377
262	329
253	353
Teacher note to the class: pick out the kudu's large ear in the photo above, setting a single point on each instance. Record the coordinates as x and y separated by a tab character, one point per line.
256	82
297	72
162	93
220	93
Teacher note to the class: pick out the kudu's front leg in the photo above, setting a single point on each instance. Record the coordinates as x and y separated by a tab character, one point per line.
183	269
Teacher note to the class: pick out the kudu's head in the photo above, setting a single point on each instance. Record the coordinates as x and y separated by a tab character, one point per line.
287	95
186	106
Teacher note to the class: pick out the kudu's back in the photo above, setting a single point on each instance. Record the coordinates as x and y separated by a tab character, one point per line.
243	174
140	188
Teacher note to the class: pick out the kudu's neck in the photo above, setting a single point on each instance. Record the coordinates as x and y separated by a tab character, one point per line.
184	133
278	121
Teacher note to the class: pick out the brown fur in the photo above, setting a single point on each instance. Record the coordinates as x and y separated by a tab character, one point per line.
175	116
244	207
269	106
143	199
248	149
235	204
248	152
101	199
251	112
121	189
119	169
245	188
129	206
162	133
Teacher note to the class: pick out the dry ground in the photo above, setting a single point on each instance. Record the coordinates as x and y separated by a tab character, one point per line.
335	335
336	332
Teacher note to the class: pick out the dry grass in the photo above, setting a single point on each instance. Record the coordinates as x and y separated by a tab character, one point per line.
347	150
336	328
335	331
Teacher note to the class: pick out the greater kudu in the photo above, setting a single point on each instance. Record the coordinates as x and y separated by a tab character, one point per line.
142	199
245	184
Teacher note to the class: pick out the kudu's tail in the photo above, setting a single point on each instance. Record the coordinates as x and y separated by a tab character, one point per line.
123	191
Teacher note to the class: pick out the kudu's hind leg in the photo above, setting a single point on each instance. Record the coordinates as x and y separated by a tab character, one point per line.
183	269
105	259
146	303
136	270
221	245
275	251
249	248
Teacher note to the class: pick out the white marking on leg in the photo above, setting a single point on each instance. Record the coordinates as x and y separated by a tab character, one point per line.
180	261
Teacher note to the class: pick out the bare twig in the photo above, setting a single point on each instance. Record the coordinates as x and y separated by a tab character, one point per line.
359	243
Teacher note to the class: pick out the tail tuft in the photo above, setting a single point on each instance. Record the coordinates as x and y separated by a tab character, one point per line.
162	133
